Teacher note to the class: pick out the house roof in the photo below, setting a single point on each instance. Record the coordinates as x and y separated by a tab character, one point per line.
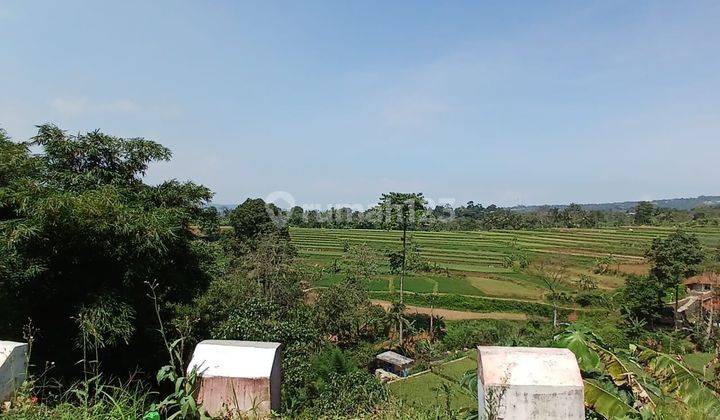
394	358
234	359
704	278
528	366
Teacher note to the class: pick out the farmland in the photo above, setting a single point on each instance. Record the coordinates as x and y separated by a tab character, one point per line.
474	263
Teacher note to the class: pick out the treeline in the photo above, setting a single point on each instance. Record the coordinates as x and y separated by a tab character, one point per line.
473	216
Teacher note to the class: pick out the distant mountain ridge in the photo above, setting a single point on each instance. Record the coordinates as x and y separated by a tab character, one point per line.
624	206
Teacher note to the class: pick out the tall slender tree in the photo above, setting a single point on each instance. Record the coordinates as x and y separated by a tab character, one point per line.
402	211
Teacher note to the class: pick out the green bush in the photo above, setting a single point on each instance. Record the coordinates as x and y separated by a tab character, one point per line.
351	394
475	304
469	334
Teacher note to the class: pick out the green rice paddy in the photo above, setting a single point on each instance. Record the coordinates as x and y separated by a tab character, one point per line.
472	262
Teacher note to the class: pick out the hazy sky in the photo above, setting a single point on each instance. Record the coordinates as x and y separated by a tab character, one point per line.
338	101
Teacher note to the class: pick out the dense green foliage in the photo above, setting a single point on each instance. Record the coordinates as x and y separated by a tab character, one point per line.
643	298
485	332
675	257
81	235
98	260
637	381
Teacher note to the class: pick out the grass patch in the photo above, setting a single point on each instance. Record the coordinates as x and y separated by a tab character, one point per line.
505	288
456	369
475	304
428	390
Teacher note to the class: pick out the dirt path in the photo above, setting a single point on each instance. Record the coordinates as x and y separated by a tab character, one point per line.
451	315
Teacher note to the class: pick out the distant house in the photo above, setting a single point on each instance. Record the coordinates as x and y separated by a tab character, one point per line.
701	283
394	363
237	377
702	297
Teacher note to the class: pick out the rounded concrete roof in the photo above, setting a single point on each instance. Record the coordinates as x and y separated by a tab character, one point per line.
528	366
234	359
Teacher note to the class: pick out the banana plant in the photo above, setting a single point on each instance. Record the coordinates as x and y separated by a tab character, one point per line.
606	403
678	381
639	382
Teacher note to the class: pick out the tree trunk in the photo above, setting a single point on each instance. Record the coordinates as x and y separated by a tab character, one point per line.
710	320
677	290
402	273
555	316
432	317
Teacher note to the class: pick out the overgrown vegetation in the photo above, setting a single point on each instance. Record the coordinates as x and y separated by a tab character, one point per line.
113	281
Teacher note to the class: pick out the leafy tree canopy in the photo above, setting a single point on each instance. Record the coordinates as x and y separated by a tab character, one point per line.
252	219
79	227
644	212
676	257
401	210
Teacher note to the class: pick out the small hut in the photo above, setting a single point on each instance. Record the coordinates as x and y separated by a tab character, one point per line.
13	358
529	383
237	377
394	363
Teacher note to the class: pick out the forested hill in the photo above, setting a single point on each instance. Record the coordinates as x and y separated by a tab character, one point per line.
671	203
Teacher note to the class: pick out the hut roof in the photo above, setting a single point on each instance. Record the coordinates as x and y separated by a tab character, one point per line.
704	278
394	358
528	366
235	359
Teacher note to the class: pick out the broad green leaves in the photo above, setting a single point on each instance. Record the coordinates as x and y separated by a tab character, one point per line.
638	382
578	341
678	381
608	404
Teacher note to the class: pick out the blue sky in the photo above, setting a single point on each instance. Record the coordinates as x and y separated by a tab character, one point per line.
338	101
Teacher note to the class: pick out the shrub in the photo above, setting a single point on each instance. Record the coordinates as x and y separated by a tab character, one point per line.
469	334
351	394
476	304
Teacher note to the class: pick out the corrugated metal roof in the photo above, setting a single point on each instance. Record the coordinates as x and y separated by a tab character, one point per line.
394	358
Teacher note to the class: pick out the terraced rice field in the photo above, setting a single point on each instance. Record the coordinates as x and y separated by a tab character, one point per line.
473	261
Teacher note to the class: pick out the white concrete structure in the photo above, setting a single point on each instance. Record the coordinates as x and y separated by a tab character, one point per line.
238	376
529	383
13	359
